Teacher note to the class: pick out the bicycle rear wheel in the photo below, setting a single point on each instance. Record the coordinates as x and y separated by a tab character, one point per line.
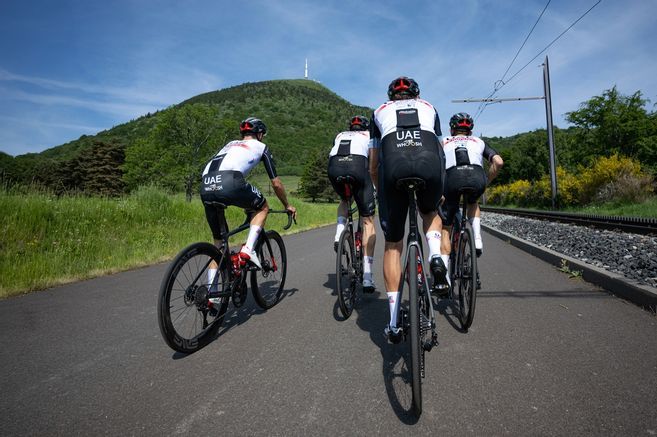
267	283
417	353
345	274
467	277
187	319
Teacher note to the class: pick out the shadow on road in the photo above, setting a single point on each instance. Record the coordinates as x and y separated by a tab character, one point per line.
238	316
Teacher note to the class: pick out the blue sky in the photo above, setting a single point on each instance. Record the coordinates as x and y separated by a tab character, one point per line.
69	68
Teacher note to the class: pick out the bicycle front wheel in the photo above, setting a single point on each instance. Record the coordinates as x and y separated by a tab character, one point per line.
345	274
415	328
268	282
467	277
187	318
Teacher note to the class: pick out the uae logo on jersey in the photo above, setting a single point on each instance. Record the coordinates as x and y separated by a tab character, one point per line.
408	138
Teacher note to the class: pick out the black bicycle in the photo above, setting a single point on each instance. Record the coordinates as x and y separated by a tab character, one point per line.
349	256
418	322
463	266
203	279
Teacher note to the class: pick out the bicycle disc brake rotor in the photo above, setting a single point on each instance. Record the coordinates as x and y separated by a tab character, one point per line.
200	297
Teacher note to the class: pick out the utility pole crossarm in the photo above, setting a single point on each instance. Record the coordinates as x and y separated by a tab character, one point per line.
509	99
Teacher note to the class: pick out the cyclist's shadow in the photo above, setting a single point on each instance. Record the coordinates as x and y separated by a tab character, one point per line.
371	313
372	316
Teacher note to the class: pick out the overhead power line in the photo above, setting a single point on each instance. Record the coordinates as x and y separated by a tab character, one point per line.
502	83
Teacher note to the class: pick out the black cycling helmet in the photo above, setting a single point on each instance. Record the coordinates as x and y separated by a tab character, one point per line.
358	122
252	125
461	121
403	86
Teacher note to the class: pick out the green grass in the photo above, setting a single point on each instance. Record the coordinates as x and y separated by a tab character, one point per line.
47	240
646	209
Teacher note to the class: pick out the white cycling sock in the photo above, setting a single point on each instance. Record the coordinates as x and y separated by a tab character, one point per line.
476	226
211	275
254	231
433	239
445	259
393	302
342	221
367	266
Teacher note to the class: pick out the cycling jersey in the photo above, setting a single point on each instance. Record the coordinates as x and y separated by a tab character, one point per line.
464	150
351	143
406	134
349	157
464	161
242	156
223	180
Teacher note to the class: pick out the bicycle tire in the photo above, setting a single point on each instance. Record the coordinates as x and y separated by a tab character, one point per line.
415	330
186	319
268	282
345	274
467	259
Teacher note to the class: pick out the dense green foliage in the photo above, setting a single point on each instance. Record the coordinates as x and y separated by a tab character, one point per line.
169	147
49	239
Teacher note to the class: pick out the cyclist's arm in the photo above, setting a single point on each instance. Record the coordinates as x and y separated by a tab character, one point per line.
373	156
496	165
373	151
495	160
276	183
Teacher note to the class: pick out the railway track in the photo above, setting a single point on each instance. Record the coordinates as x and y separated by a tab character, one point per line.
637	225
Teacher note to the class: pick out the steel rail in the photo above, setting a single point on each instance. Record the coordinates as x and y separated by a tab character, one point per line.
637	225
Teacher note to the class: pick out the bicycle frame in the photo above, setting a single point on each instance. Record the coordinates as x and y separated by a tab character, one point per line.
237	270
413	239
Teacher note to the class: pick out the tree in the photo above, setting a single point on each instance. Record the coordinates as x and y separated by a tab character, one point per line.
173	155
314	182
614	123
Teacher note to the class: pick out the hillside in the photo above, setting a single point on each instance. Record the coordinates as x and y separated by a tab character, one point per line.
302	115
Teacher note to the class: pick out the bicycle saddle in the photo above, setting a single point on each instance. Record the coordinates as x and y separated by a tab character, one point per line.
216	204
410	184
345	179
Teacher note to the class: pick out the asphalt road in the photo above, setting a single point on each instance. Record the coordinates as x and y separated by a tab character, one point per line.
546	355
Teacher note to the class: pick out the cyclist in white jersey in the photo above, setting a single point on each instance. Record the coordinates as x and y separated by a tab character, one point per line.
465	155
406	133
223	181
350	157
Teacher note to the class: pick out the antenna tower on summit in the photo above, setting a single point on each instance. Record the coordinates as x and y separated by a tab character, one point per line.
305	76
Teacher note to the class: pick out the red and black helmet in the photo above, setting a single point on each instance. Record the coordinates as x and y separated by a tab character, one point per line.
358	122
403	86
461	121
252	125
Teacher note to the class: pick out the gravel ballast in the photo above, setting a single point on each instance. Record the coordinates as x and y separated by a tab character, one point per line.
630	255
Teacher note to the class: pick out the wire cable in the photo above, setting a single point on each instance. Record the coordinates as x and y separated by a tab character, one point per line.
501	83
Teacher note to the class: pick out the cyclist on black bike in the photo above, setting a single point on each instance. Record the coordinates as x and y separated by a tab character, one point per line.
465	156
223	181
349	157
406	132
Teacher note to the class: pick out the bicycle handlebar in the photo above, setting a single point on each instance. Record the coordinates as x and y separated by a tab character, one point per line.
289	217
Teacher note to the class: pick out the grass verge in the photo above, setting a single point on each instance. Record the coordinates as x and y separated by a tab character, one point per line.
47	240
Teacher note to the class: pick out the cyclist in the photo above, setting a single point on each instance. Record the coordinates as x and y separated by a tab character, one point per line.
406	132
223	181
349	157
465	155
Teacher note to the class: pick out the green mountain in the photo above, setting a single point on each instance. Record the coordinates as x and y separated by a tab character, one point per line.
303	116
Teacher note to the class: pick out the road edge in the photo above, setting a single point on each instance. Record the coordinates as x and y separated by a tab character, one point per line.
619	285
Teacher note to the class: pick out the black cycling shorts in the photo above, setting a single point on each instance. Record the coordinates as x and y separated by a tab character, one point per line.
228	188
355	166
465	177
425	161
